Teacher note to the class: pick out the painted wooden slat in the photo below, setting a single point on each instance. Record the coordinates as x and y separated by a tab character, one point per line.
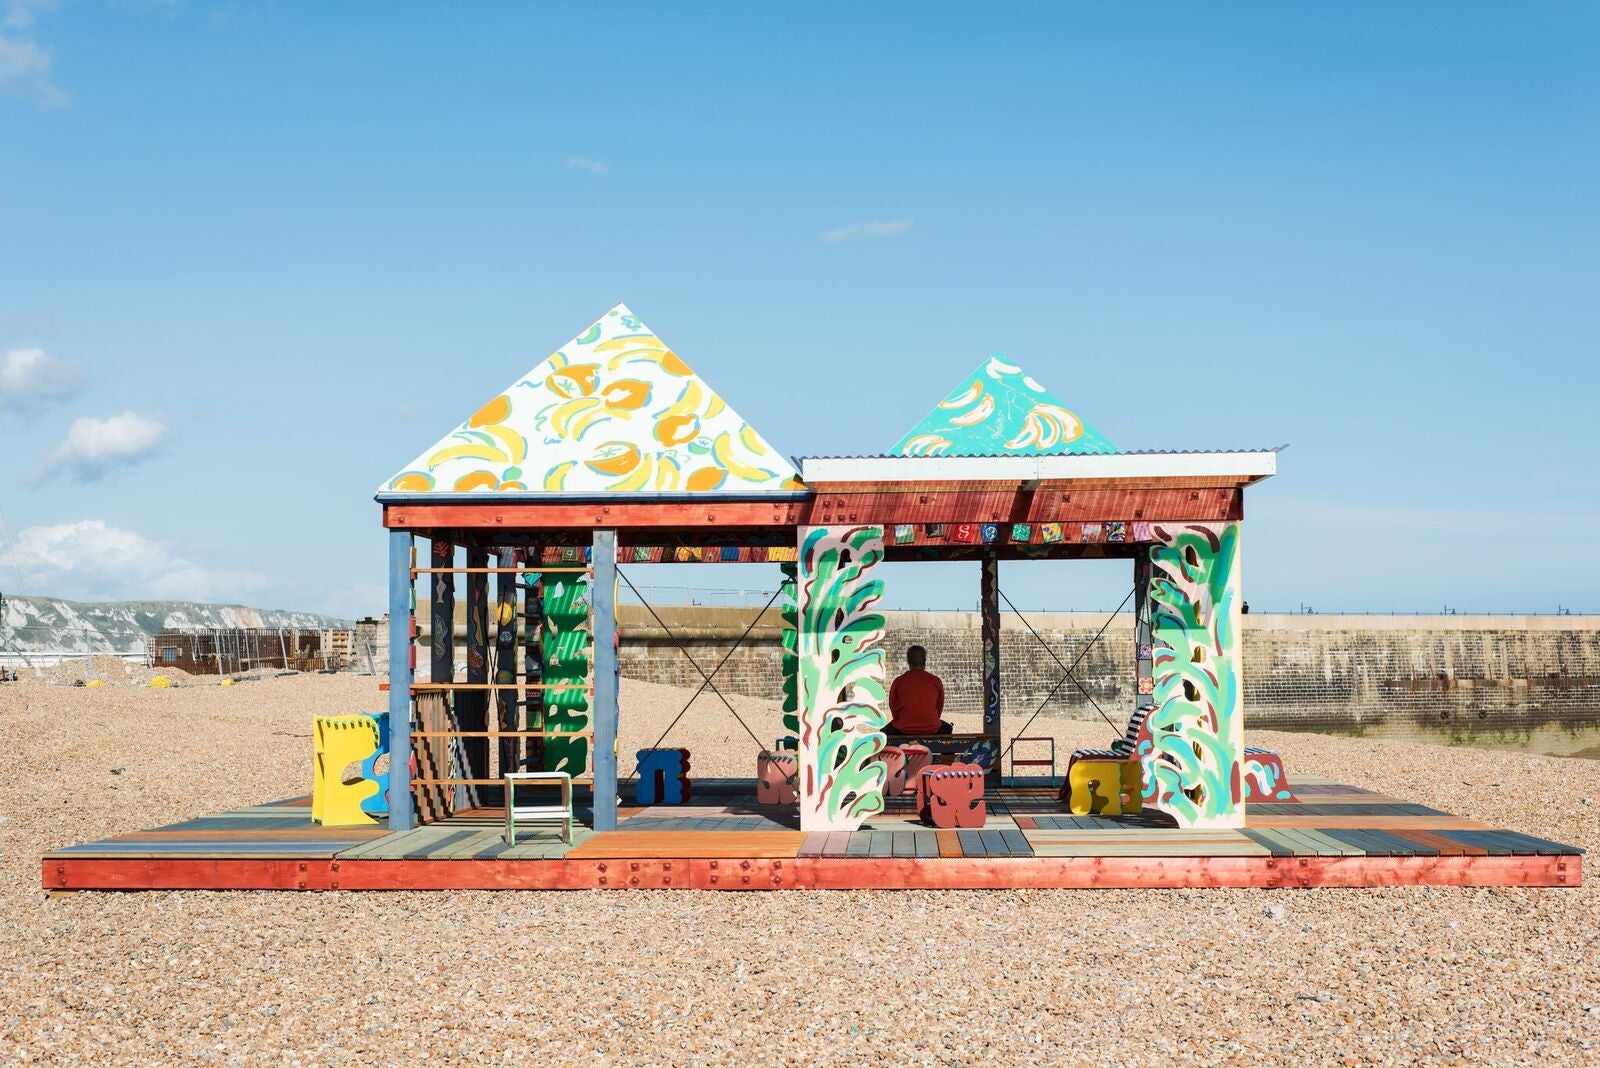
1273	842
1016	842
1533	845
1326	846
1492	842
690	844
1297	844
972	843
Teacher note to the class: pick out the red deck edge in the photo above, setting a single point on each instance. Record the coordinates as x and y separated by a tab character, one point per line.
809	873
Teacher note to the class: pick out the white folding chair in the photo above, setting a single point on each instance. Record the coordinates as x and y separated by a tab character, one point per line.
561	813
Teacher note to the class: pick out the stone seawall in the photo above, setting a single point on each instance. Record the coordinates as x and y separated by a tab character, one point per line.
1524	681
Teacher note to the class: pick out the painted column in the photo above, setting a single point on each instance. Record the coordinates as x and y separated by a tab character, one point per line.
1144	678
990	604
532	718
442	651
400	652
839	648
505	657
789	616
1193	759
603	598
472	708
568	658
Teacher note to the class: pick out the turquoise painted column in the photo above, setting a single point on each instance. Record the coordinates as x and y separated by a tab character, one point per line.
603	602
399	680
1193	770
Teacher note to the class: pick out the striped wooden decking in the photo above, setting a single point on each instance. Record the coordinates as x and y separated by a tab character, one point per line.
1333	835
276	829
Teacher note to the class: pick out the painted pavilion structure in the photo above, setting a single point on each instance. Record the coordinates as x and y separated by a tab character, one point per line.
613	451
613	454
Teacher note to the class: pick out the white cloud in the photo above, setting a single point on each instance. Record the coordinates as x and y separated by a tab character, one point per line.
32	378
20	14
96	447
89	560
871	230
584	163
26	66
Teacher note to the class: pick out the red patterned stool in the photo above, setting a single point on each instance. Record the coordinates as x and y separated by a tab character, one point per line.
952	796
894	760
917	758
777	778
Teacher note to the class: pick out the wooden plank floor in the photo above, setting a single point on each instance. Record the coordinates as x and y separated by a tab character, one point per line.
278	829
1333	834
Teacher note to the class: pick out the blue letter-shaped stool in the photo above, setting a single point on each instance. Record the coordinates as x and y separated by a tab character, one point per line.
663	777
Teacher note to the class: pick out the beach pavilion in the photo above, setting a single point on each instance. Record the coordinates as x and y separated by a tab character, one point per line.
614	452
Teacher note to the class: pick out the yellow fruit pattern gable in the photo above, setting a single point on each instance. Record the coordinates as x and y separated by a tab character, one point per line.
614	410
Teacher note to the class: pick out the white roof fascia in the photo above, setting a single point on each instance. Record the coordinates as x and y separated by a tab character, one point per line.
1245	465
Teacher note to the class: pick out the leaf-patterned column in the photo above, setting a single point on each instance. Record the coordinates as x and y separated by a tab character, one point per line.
839	648
1193	741
789	614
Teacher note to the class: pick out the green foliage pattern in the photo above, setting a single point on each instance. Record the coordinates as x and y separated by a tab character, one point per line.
841	668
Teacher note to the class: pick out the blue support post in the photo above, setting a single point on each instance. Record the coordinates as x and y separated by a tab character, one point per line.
399	680
603	603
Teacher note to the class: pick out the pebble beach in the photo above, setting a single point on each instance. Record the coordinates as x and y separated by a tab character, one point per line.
1408	975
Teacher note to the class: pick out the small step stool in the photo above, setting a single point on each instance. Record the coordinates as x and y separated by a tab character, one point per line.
561	813
1051	763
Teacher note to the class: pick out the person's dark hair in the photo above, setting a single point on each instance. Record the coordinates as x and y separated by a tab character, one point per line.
916	655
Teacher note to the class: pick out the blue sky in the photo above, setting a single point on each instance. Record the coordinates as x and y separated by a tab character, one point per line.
255	257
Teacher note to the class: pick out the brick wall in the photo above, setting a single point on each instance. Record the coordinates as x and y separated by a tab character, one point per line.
1514	680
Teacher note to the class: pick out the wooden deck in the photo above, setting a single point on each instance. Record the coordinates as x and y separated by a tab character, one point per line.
1334	835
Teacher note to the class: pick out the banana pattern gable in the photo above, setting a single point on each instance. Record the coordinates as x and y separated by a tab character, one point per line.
613	411
997	410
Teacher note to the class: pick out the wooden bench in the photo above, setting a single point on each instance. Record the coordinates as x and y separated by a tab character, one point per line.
941	744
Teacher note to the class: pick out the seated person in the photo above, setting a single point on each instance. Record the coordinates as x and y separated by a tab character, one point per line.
916	699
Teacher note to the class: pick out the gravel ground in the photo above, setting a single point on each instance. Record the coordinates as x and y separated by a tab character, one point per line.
1136	977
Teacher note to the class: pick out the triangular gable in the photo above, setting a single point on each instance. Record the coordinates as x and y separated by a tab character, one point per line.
614	411
999	411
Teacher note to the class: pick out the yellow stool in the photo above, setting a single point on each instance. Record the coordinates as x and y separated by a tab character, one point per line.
338	742
1105	787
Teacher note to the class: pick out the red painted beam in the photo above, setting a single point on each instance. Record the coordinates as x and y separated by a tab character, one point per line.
583	516
1016	506
819	873
877	507
189	873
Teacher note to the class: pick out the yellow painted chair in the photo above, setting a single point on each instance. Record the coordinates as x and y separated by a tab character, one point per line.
1104	787
339	741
